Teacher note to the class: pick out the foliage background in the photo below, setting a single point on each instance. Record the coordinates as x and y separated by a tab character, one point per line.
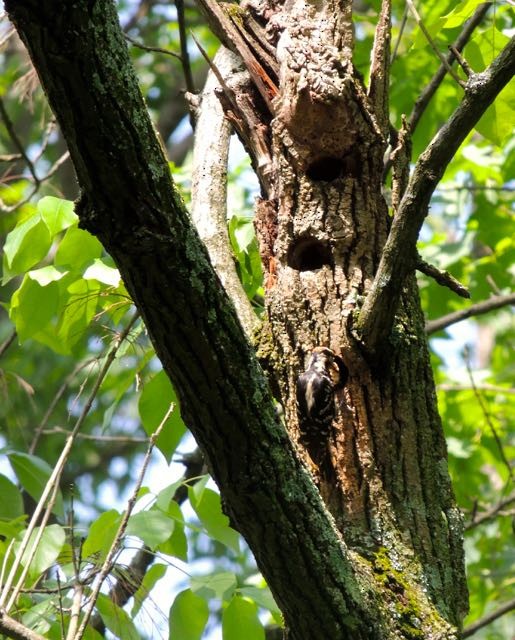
63	307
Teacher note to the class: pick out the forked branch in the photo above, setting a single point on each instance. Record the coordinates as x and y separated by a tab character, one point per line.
399	256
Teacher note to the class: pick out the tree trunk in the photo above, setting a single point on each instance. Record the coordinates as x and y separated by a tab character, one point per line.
389	563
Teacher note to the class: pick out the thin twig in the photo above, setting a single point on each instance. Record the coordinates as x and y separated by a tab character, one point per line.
443	278
483	622
495	302
482	387
399	37
426	95
433	46
467	70
17	142
486	414
52	485
96	438
55	400
113	551
7	343
491	513
145	47
183	39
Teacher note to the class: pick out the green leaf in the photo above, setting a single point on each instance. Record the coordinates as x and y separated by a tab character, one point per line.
33	474
188	616
177	544
116	619
102	273
57	214
208	508
79	311
155	573
26	245
33	307
48	550
166	495
46	275
216	585
241	614
156	398
11	504
77	248
152	526
262	597
101	535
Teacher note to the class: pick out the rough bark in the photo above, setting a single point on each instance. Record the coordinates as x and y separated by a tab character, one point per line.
388	563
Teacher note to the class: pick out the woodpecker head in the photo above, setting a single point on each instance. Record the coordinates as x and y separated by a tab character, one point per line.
326	362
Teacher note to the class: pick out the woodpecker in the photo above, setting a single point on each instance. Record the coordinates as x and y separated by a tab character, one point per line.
316	387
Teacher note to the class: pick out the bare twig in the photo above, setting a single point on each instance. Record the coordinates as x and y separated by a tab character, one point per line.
467	70
145	47
433	46
495	302
486	414
185	57
17	142
51	488
399	37
7	342
113	551
399	255
443	278
96	438
491	513
426	95
122	591
483	622
60	392
491	388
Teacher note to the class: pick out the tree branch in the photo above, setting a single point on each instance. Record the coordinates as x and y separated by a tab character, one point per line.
495	302
399	256
483	622
209	187
443	278
491	513
14	629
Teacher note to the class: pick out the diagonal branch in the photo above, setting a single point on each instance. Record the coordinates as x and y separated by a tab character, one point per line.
488	619
399	256
485	306
430	89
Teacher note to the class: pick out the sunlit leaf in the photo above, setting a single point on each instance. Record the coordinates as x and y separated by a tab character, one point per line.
208	508
156	398
152	526
241	614
215	585
116	619
188	616
101	534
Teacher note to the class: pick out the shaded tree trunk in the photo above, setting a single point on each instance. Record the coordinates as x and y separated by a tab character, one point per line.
389	562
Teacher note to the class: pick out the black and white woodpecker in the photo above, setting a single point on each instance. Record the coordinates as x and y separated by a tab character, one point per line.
316	406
